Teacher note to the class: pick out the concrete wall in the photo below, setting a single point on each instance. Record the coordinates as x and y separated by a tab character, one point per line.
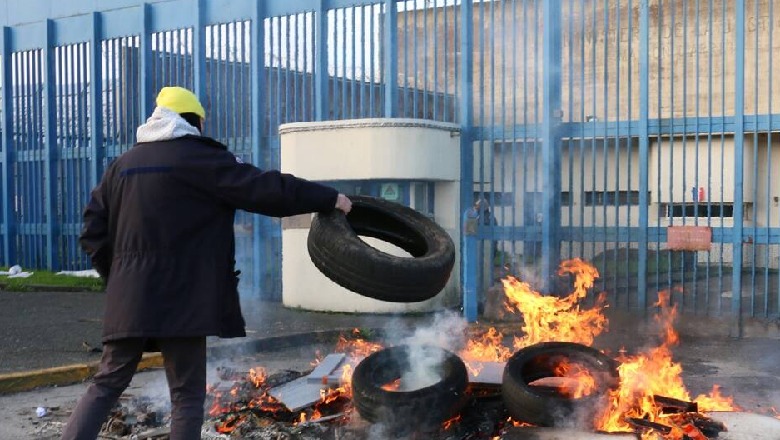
600	58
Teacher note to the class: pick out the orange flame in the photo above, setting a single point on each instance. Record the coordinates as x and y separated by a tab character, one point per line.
358	347
448	423
655	373
393	385
553	318
581	382
487	348
545	318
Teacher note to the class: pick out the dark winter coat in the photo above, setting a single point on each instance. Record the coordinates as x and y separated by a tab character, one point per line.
159	229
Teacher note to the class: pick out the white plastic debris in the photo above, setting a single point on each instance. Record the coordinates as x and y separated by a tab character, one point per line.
15	271
91	273
41	411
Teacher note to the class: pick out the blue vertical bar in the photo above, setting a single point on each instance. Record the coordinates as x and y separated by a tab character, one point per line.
96	101
198	50
50	156
391	58
739	145
352	109
9	214
147	69
470	263
644	151
321	62
551	142
468	258
258	122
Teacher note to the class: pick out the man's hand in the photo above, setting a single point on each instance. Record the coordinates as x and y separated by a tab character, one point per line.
343	203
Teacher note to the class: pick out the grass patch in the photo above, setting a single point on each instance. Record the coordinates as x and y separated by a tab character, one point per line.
46	280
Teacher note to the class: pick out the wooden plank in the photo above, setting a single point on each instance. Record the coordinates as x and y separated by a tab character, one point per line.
326	368
306	391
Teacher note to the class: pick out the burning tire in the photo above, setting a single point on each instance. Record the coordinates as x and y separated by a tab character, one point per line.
547	405
421	409
338	252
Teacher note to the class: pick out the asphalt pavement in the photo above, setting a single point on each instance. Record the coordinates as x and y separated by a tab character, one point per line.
44	334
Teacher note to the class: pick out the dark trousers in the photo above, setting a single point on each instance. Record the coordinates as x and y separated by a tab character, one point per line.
185	369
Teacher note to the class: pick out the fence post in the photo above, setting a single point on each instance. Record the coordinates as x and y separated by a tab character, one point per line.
551	143
321	104
739	147
50	150
470	263
644	151
146	98
466	119
257	124
9	212
199	50
96	101
391	58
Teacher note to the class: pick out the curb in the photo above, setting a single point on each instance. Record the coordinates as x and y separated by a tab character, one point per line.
76	373
65	375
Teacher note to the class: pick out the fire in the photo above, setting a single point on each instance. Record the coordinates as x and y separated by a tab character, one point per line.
642	376
579	381
258	377
487	348
545	318
392	386
655	373
449	423
357	347
549	318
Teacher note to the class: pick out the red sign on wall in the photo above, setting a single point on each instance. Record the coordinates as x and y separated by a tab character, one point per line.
688	238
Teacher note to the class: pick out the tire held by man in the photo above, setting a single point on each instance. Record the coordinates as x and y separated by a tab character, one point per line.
336	249
544	406
402	411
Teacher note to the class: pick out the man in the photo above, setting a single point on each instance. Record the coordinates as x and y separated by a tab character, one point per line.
159	230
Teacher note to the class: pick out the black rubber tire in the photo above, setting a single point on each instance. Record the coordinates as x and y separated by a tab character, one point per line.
336	249
419	410
545	406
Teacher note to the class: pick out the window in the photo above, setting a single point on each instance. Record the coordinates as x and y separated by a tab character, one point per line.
566	198
718	210
619	198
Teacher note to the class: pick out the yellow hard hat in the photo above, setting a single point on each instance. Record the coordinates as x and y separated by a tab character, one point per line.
180	100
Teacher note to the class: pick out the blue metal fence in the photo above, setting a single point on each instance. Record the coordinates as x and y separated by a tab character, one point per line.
588	126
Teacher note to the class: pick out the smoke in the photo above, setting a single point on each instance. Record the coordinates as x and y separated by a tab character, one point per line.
448	330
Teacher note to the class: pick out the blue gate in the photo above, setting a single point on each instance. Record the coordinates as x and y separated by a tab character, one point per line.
596	129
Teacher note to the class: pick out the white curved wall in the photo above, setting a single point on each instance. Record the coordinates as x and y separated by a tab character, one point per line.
360	150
